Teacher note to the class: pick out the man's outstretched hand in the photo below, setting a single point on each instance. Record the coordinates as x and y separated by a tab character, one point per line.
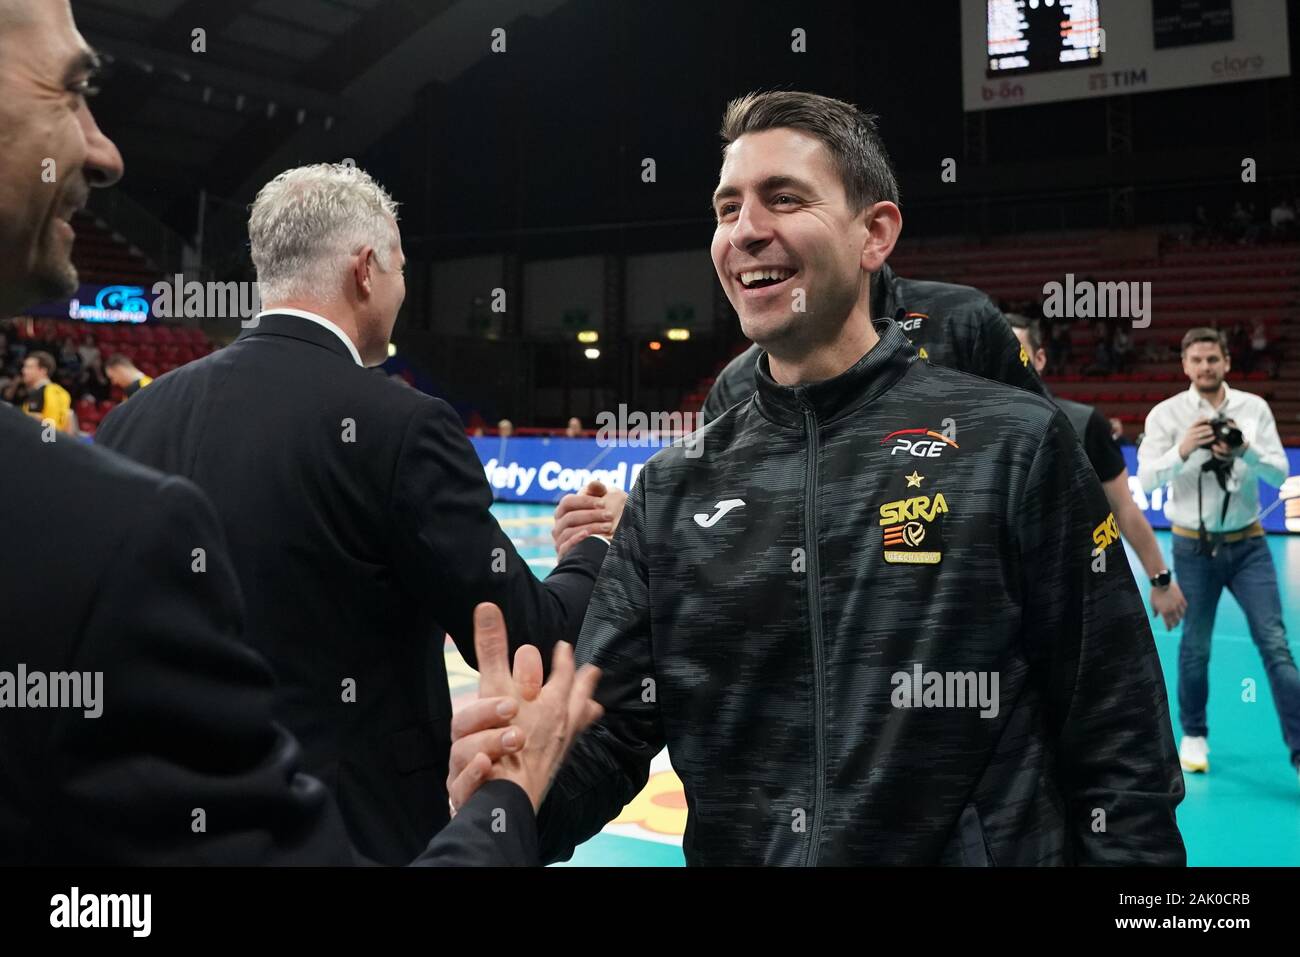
519	729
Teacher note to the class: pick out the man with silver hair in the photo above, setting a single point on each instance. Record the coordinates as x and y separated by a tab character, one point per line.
356	510
326	235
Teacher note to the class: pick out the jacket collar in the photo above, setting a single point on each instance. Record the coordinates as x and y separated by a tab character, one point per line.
296	327
869	378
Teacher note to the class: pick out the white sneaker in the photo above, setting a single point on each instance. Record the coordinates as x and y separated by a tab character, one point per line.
1192	754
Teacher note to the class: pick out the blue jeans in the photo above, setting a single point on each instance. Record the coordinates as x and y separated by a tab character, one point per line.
1245	568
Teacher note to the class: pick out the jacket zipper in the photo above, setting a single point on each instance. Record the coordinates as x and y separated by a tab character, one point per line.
815	613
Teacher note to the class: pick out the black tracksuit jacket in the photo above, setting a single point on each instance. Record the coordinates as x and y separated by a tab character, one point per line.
899	518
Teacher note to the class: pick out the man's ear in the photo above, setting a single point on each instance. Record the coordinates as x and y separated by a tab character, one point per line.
884	222
363	268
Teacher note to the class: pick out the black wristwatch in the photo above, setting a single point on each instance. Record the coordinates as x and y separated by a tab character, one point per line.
1162	580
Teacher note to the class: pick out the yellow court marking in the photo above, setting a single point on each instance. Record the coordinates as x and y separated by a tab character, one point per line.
660	807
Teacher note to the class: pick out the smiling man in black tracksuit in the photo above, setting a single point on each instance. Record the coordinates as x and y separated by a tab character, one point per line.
880	617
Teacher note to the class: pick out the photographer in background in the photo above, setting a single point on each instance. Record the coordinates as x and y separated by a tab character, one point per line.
1215	444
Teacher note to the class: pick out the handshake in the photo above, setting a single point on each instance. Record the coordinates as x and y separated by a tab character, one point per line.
594	512
519	729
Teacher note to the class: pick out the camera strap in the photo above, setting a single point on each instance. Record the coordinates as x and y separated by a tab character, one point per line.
1210	543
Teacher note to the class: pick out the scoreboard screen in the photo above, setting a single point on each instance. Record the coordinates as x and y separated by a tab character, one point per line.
1039	36
1180	23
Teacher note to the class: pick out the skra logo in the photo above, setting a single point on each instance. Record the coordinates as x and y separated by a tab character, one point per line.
1106	534
909	509
926	444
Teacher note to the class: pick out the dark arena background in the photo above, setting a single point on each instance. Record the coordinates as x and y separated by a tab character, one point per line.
554	162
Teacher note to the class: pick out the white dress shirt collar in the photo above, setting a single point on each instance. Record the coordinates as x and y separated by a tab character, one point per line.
1197	398
320	321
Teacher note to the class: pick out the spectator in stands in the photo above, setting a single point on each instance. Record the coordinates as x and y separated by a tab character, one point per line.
1117	430
1239	344
17	351
574	428
1102	359
1260	353
46	401
505	428
1153	351
122	372
1123	350
1238	220
1245	223
1064	351
88	351
69	356
93	382
1203	230
1282	220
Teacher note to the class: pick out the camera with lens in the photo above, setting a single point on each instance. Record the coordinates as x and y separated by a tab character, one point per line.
1224	432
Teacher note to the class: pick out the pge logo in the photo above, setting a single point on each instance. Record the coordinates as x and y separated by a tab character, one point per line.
912	321
924	444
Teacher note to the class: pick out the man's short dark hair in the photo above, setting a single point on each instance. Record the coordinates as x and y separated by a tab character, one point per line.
1033	326
44	360
848	133
117	359
1205	334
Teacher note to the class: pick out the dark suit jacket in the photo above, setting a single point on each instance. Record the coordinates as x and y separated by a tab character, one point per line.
99	574
357	515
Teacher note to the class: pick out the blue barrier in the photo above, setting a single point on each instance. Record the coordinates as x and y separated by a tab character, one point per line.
532	469
1153	505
